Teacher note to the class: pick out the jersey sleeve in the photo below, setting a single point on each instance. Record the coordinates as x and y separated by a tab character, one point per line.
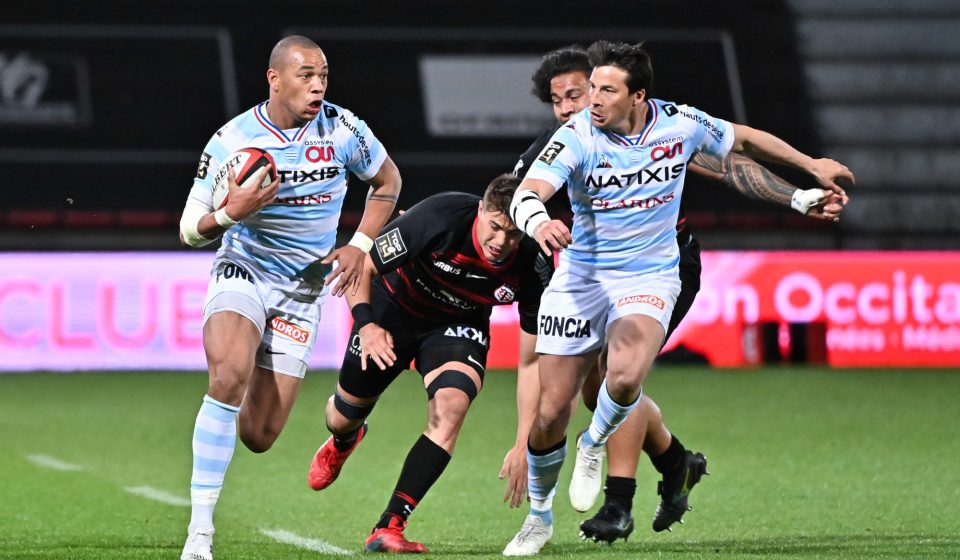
558	160
366	153
527	158
535	283
213	154
711	135
405	238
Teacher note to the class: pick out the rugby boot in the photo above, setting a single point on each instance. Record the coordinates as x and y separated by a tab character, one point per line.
390	539
609	524
533	535
327	462
675	488
199	545
585	483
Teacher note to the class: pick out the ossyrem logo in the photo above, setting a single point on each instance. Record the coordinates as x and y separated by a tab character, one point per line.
648	299
289	330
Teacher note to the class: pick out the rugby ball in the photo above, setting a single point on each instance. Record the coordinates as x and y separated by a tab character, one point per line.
244	162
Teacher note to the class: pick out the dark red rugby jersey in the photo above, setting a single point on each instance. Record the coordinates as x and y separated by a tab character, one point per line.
432	265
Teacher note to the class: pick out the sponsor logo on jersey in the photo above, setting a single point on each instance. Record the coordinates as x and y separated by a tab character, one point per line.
307	200
362	147
670	109
325	154
666	152
567	327
551	152
643	176
604	162
204	166
641	203
648	299
289	330
663	141
390	245
467	332
447	267
308	175
504	294
230	271
714	131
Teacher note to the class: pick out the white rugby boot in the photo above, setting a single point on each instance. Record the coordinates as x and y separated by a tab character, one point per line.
585	483
199	545
533	534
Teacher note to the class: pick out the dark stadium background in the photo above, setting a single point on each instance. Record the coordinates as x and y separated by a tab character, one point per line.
116	175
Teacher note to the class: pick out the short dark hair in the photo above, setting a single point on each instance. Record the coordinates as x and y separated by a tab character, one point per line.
500	192
279	52
572	58
632	59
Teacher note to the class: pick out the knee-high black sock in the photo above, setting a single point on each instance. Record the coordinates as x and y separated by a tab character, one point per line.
671	459
619	491
423	466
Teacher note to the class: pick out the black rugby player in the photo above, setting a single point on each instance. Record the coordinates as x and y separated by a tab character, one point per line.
436	272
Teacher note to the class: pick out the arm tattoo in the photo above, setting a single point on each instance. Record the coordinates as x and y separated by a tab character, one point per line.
755	181
709	162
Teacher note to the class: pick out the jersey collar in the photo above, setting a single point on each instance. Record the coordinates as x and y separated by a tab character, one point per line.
260	112
653	113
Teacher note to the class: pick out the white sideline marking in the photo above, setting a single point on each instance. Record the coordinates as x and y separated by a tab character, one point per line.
316	545
158	495
53	463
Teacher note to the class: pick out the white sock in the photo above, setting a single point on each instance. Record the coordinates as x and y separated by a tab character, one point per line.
607	417
214	439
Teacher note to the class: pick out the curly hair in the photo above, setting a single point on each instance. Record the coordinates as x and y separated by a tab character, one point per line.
572	58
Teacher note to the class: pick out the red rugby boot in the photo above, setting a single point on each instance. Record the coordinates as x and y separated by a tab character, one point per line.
390	539
328	461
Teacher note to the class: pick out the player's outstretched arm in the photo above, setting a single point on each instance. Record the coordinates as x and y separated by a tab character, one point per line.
757	182
763	145
375	342
385	190
528	398
200	224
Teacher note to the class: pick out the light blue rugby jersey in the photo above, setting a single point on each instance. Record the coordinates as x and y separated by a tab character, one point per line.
289	236
625	191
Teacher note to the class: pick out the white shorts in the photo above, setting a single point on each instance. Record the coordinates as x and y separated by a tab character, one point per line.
576	312
286	317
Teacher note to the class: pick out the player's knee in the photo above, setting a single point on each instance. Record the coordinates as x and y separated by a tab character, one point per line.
259	441
453	389
228	381
554	415
257	435
352	412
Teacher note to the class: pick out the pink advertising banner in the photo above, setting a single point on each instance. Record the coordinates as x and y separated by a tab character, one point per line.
92	311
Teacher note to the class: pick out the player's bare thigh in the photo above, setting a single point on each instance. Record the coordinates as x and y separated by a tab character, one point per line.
633	342
230	341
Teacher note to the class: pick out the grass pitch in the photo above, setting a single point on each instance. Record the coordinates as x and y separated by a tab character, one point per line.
804	463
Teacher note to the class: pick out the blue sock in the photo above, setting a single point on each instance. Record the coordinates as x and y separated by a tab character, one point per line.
214	439
542	473
607	417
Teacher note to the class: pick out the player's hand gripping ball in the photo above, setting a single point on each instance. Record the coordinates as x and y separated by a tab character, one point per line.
244	162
